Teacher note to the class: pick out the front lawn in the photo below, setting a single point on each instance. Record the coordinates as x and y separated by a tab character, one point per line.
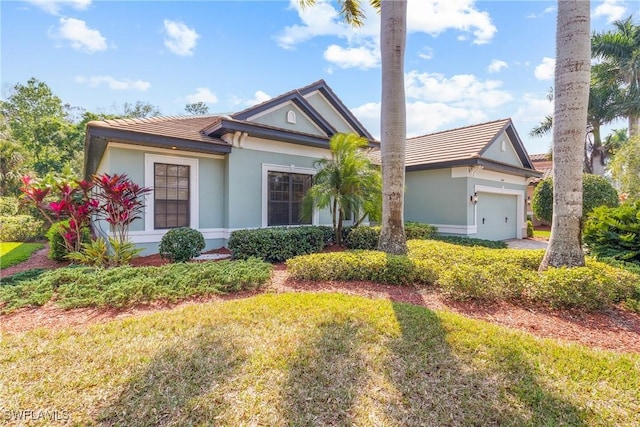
313	359
541	234
12	253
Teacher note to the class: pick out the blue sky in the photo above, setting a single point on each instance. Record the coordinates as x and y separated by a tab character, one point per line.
466	61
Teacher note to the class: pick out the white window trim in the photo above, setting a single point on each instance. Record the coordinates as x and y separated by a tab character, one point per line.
266	168
149	161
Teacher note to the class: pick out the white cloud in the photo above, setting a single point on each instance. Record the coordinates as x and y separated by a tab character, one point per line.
462	90
258	98
533	108
53	6
434	17
546	11
180	39
353	57
202	94
80	36
613	10
497	65
545	70
113	83
426	53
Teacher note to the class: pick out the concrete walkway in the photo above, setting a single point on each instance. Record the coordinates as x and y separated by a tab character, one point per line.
526	244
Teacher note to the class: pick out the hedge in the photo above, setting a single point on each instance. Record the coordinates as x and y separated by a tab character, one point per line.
276	244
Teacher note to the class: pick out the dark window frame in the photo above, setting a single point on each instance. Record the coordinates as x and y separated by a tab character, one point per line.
286	193
165	207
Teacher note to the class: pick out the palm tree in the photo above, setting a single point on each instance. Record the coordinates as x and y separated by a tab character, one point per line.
620	49
393	37
347	183
572	75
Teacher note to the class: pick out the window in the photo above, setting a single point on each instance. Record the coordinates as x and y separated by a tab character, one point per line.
171	195
285	194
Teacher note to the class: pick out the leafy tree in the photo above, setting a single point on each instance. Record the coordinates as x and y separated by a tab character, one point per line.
12	164
625	169
620	50
572	75
393	38
140	110
345	183
197	108
39	123
596	191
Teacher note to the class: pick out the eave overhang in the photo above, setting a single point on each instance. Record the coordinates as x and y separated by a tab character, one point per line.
478	161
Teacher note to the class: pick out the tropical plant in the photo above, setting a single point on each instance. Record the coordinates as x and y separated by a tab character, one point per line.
625	169
346	183
196	108
572	76
620	50
393	38
615	232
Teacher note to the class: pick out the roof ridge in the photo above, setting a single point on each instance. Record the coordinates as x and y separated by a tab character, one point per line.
154	119
459	128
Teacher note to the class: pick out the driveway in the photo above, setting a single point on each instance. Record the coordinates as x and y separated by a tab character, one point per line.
526	244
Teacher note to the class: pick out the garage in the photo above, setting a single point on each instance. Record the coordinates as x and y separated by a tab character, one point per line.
497	216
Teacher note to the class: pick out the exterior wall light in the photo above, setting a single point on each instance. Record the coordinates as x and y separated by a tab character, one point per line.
474	199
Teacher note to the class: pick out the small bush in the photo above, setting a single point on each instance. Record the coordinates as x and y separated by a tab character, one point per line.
330	235
97	254
9	206
276	244
417	231
529	228
181	244
20	228
57	249
363	237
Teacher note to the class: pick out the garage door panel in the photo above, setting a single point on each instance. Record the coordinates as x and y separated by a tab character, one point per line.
497	216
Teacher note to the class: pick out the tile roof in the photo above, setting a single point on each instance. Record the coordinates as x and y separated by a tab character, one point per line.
180	127
540	157
454	144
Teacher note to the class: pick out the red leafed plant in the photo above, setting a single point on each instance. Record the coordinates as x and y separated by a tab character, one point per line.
59	200
121	201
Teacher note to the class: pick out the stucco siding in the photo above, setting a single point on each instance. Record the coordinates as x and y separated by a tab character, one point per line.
502	150
212	184
329	113
131	163
278	118
433	197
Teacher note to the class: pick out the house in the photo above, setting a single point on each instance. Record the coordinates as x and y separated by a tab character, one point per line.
251	169
542	163
222	173
471	181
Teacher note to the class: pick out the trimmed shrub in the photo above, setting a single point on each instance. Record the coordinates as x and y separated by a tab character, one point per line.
592	287
497	281
57	248
614	232
596	191
22	276
276	244
366	237
360	265
9	206
363	237
181	244
330	235
20	228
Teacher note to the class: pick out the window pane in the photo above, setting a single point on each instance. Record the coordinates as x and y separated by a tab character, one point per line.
171	194
286	192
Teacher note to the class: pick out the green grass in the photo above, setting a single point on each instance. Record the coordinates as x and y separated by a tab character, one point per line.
12	253
314	359
543	234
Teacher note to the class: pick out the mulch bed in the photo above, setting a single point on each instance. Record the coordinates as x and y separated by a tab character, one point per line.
614	329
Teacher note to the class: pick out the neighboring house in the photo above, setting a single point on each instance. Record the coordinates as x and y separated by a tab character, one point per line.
222	173
542	163
251	169
470	181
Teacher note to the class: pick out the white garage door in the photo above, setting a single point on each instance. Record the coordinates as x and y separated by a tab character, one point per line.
497	216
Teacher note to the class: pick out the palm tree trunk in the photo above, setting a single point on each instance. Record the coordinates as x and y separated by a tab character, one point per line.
634	125
393	35
572	77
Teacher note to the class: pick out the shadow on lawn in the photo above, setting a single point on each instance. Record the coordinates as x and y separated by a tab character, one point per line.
441	387
169	387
